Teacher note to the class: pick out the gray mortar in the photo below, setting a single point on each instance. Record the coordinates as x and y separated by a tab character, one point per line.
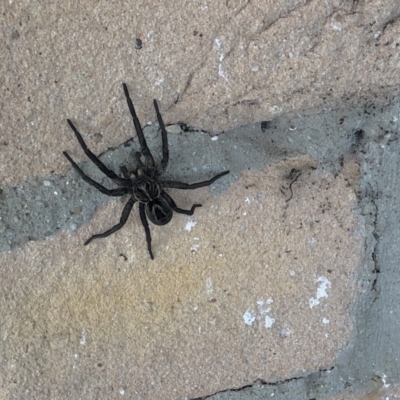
43	205
32	211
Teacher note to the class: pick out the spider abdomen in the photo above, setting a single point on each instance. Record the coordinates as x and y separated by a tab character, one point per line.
159	211
146	189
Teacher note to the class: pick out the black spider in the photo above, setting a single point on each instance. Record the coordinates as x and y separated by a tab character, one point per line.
143	184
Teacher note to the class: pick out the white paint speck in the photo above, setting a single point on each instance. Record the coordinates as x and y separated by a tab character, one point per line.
249	317
385	385
247	200
255	69
218	48
269	321
321	291
292	273
262	315
262	302
284	333
325	321
209	287
190	225
275	109
312	241
214	138
221	71
159	81
83	339
204	6
194	248
47	183
72	227
121	392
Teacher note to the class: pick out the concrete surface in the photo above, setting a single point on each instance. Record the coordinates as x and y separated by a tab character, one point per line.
284	284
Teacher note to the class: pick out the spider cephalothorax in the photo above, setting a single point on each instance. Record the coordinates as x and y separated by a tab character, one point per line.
143	184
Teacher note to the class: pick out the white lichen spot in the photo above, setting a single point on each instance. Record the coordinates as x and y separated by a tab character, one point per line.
325	321
255	69
247	200
249	317
190	225
321	291
47	183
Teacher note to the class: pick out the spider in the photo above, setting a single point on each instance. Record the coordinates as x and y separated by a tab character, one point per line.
142	184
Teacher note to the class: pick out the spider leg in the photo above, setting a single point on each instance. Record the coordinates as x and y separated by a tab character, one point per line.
165	150
142	140
124	171
111	174
145	224
182	185
172	204
124	217
109	192
138	160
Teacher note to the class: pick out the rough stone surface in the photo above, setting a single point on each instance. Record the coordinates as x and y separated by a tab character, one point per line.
212	64
232	296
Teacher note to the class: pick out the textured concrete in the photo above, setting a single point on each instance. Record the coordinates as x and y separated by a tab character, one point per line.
214	65
255	295
233	299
